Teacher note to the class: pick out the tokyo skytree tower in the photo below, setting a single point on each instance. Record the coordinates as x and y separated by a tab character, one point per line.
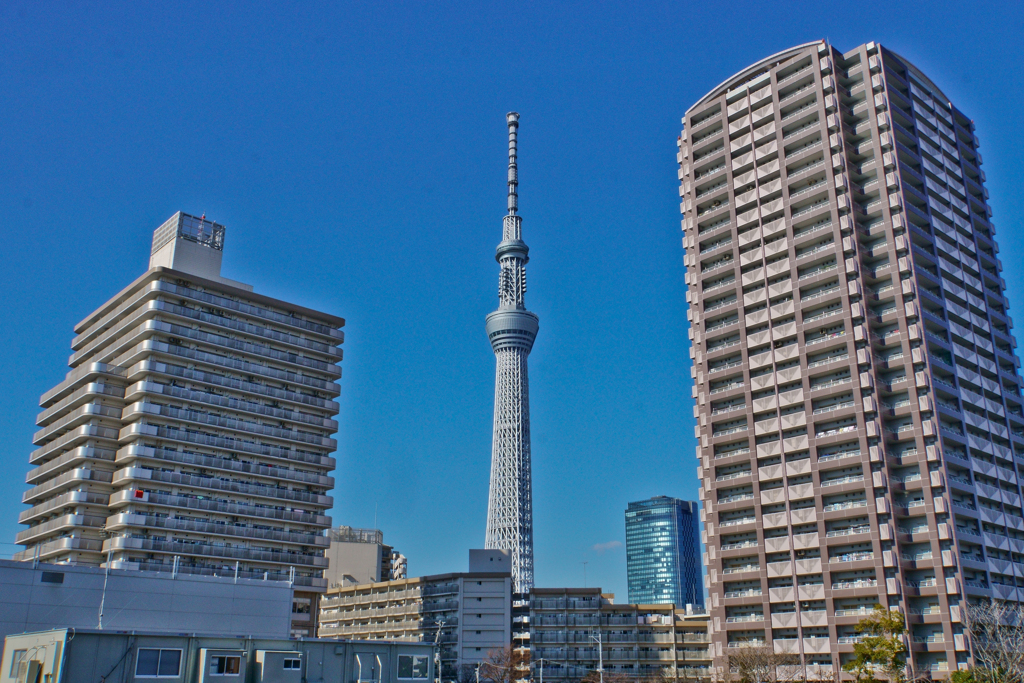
511	330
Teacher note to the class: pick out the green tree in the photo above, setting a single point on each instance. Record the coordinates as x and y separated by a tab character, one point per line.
964	677
882	649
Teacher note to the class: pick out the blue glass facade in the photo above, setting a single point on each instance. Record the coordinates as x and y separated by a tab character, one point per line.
663	552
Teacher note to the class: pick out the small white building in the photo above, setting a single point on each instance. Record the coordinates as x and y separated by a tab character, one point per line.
87	656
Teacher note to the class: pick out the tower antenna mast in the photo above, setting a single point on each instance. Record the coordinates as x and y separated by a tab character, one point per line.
512	330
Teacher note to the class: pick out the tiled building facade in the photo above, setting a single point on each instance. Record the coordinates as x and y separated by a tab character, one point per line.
861	436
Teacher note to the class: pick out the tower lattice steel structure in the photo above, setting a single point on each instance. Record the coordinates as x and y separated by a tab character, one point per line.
512	330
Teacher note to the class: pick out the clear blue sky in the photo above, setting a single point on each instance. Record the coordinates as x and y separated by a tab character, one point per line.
356	153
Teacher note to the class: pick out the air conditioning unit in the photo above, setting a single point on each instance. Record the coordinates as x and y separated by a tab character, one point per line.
30	671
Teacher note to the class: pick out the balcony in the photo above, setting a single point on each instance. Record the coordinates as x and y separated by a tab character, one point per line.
193	502
840	455
61	546
158	368
817	271
849	531
135	451
129	520
127	543
251	310
828	361
135	474
65	523
809	209
848	505
860	583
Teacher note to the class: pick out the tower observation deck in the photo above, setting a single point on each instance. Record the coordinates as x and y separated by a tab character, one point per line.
512	330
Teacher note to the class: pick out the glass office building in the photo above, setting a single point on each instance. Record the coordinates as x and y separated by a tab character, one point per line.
663	552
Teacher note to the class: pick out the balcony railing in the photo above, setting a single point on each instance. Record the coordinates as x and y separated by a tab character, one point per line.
817	271
859	583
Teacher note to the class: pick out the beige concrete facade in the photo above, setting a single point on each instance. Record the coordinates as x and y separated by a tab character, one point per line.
860	428
358	556
193	431
473	610
568	625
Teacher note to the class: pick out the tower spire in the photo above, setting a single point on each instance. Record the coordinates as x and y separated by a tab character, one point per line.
513	170
511	330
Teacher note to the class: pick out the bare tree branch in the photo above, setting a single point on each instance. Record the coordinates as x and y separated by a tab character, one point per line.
762	664
997	639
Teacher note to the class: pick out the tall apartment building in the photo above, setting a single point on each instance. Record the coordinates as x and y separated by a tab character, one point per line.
663	560
472	610
193	431
577	630
861	437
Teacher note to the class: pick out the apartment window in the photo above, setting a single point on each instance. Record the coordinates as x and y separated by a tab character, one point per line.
226	666
292	664
155	663
412	667
17	657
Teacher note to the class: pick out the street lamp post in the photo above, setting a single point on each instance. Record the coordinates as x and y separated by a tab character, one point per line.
541	660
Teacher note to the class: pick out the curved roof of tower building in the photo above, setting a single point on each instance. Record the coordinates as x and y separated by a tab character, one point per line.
753	71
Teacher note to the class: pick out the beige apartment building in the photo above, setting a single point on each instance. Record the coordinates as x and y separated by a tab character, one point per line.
861	436
574	631
472	611
192	433
358	556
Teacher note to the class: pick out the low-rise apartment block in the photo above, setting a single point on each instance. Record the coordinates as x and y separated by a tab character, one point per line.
574	631
472	611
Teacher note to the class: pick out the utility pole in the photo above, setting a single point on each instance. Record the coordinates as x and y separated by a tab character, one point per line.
600	653
437	652
103	595
585	563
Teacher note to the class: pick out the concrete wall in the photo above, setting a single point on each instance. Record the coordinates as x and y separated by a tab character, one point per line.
490	560
90	656
353	563
485	618
60	596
